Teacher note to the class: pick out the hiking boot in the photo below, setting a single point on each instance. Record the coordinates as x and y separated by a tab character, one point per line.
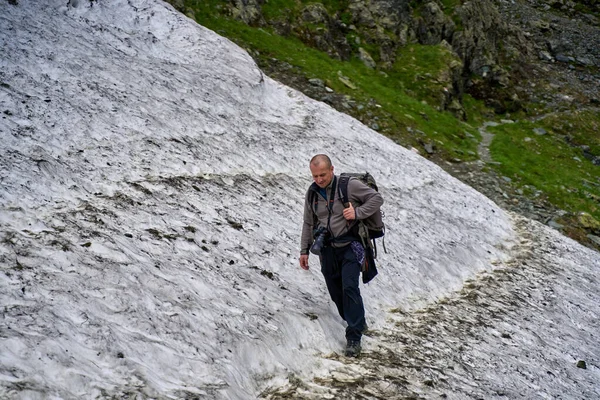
352	348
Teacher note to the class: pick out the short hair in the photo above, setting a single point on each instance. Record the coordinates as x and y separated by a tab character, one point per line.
319	158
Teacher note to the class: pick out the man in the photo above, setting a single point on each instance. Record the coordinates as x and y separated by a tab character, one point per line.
342	254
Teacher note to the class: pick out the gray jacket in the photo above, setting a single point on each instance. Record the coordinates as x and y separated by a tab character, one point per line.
365	201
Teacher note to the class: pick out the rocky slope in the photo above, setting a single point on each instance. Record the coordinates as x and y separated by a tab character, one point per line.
501	44
565	42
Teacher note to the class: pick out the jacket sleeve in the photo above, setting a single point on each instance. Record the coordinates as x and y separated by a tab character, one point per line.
366	201
307	226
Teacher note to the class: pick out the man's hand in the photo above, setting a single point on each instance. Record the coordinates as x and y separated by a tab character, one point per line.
349	213
304	261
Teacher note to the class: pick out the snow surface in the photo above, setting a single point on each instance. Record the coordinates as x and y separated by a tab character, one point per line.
152	181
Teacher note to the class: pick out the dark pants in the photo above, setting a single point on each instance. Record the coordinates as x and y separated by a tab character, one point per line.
342	271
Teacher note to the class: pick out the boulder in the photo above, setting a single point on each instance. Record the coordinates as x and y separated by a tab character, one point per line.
248	11
366	58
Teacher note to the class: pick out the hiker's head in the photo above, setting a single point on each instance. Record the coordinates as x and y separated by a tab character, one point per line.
321	170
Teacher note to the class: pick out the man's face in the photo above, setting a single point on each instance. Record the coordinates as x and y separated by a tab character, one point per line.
322	174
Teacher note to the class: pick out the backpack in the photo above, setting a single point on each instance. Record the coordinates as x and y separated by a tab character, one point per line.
372	227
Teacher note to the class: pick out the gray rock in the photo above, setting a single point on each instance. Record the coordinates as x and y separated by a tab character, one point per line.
594	239
456	108
248	11
433	24
585	61
366	58
544	55
555	46
316	82
346	81
315	13
446	45
563	58
541	25
539	131
591	19
553	224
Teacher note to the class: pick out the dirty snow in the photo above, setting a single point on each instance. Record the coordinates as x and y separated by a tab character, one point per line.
152	181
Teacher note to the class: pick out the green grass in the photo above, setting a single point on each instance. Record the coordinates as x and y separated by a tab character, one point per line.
583	127
450	5
477	111
276	9
548	163
423	70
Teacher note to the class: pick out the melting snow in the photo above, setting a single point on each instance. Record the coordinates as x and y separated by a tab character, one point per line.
152	181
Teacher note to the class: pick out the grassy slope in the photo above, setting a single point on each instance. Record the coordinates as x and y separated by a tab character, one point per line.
549	162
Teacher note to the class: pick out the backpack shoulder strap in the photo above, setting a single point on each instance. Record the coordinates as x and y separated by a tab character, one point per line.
343	188
313	201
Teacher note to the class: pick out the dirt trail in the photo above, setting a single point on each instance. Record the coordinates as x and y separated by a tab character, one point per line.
515	332
483	149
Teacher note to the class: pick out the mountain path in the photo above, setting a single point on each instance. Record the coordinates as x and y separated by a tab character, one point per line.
483	149
443	351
